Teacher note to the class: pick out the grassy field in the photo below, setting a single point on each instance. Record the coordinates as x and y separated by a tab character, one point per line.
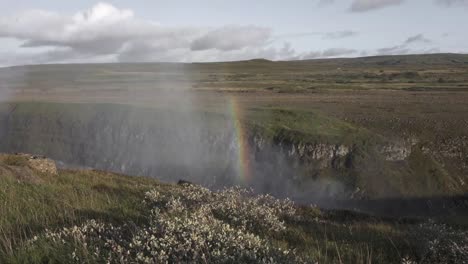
416	103
393	95
50	202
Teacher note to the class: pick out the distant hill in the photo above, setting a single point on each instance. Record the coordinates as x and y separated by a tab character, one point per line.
387	60
399	60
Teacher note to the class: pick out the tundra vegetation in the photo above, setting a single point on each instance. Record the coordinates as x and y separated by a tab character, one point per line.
385	128
85	216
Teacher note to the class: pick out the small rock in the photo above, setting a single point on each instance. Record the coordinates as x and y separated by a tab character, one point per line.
182	182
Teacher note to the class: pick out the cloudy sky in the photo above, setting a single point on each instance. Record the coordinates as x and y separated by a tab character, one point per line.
53	31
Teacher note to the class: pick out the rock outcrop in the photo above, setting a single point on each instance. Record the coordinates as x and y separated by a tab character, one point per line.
26	168
34	162
40	163
326	153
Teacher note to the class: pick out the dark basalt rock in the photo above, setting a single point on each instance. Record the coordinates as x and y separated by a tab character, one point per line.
183	182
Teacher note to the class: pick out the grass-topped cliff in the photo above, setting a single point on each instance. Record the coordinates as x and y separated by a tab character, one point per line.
94	217
387	135
317	147
398	121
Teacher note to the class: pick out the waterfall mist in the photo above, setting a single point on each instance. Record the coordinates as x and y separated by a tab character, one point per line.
159	127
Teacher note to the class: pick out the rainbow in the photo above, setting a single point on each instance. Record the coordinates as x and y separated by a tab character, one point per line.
242	146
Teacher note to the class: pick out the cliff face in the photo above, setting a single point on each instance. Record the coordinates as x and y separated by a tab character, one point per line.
171	146
326	153
166	146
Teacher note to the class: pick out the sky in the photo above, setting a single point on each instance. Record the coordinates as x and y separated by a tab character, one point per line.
53	31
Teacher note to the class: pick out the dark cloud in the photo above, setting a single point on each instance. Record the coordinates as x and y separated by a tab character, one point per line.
417	38
340	34
394	50
367	5
324	35
407	47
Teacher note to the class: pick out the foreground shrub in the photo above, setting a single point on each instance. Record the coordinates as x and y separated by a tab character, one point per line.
442	244
189	225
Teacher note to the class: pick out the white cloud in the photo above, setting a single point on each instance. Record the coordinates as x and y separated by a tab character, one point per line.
425	45
324	35
449	3
329	53
367	5
232	38
322	3
105	31
417	38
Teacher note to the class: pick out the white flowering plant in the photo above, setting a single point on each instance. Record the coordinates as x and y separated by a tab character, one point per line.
440	243
189	224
